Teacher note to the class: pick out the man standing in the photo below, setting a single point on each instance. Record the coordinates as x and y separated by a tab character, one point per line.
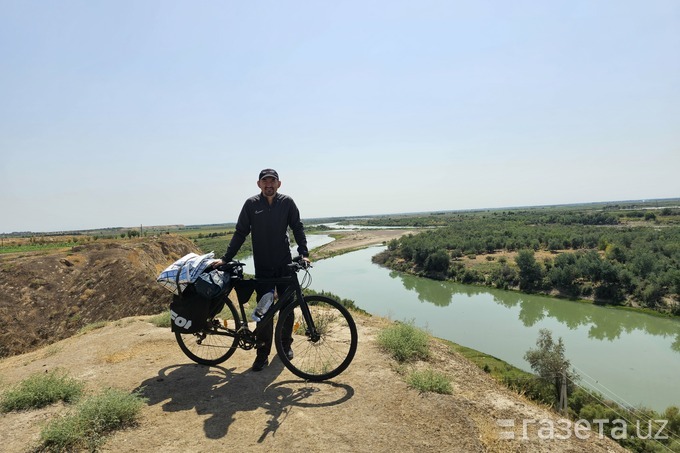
267	217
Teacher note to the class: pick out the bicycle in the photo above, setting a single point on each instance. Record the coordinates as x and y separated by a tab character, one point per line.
324	332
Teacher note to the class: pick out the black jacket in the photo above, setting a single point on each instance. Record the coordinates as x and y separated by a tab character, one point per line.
269	228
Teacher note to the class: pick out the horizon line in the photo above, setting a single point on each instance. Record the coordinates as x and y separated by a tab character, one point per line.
641	200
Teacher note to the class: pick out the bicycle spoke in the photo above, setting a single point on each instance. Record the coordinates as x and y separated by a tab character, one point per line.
329	352
213	345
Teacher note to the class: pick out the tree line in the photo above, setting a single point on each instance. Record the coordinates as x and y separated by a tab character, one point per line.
598	255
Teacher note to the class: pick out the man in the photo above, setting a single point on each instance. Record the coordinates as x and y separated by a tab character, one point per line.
267	217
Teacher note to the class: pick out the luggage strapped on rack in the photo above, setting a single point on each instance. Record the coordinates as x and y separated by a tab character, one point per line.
194	291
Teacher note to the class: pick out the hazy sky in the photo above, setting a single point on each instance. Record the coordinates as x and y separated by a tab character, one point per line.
121	113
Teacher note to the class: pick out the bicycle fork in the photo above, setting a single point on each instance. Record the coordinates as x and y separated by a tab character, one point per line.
307	316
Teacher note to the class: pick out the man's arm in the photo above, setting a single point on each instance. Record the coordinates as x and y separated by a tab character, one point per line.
298	228
239	237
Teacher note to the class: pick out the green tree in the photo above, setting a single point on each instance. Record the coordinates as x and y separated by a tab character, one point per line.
549	362
564	279
530	272
615	252
672	414
651	294
644	264
437	262
610	285
503	276
406	252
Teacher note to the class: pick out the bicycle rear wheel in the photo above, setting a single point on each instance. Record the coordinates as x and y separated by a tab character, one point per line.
217	342
325	352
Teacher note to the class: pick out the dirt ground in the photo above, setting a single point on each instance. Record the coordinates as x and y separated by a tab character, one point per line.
224	408
369	407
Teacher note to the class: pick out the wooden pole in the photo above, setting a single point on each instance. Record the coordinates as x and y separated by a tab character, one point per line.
563	393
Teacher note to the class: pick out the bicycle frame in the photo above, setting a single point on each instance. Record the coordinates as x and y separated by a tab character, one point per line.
245	287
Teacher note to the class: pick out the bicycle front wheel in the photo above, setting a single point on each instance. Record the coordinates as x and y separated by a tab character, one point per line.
321	352
217	342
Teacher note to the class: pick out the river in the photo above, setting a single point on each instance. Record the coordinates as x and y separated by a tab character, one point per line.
629	357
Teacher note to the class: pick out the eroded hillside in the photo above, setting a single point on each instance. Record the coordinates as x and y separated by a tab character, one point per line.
45	297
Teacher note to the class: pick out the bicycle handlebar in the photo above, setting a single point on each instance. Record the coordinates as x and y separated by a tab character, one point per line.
298	264
231	265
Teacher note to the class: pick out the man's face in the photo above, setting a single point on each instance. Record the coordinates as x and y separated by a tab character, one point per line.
269	186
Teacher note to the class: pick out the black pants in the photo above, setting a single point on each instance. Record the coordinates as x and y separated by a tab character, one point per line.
264	333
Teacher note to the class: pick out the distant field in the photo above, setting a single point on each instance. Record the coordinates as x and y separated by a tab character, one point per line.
216	237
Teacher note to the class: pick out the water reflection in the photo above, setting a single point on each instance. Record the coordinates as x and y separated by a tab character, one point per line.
603	323
434	292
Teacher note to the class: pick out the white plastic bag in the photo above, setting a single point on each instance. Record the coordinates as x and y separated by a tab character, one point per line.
184	271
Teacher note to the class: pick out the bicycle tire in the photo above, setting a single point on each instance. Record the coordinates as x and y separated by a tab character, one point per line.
212	345
326	356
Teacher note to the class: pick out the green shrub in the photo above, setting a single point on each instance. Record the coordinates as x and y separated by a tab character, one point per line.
93	326
472	276
40	390
405	342
94	418
161	319
110	410
61	434
430	381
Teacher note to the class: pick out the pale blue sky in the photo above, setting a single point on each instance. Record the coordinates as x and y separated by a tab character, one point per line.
121	113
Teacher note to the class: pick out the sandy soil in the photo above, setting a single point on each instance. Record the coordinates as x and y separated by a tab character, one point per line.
347	241
369	407
196	408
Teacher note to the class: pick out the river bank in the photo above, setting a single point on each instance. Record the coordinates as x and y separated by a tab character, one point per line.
599	340
352	240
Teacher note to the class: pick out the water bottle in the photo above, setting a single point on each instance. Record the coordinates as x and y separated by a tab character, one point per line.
262	306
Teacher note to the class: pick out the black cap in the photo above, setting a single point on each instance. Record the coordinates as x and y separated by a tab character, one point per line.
269	173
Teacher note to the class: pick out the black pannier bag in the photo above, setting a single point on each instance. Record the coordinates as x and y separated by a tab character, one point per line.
189	311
